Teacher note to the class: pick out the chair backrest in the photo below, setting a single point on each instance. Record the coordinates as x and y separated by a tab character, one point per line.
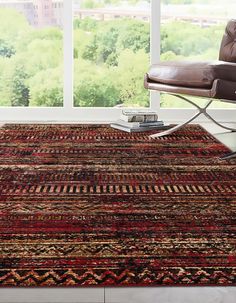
228	44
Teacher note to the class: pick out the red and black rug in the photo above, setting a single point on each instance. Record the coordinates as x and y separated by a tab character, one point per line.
89	205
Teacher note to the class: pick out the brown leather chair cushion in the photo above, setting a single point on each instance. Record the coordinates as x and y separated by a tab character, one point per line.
228	44
192	74
221	89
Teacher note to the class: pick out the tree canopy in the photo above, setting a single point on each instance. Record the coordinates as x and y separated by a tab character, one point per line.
110	58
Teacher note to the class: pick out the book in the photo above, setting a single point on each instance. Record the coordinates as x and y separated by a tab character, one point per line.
139	116
138	129
138	124
138	112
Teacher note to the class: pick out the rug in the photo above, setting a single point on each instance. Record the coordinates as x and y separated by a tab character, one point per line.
94	206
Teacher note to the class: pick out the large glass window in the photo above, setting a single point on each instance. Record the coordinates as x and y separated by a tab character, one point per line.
192	30
84	60
111	52
31	53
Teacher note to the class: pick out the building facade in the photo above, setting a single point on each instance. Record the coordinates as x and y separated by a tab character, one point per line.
39	13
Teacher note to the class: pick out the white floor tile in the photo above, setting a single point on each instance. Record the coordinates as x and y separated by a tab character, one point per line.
226	137
52	295
171	295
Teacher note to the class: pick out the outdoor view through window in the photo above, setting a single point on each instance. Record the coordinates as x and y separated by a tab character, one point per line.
111	48
31	53
111	51
192	30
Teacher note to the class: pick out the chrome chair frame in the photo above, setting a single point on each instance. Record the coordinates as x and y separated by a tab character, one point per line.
201	110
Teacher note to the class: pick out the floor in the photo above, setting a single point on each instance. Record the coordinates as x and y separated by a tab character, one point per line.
130	295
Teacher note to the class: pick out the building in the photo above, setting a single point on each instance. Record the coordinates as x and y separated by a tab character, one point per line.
43	13
24	7
57	13
39	13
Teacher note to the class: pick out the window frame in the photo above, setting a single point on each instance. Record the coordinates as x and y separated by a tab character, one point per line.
69	113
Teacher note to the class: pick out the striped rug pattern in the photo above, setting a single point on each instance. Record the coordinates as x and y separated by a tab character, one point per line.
87	205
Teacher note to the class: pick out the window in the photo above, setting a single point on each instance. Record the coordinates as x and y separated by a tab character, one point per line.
85	60
31	56
190	31
111	53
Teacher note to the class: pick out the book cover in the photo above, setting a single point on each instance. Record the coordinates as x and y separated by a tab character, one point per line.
139	116
138	112
138	129
138	124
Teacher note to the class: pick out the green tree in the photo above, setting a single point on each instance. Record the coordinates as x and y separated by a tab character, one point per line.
42	55
103	43
87	47
88	24
46	88
112	37
129	76
94	86
4	81
29	63
17	86
134	35
169	56
12	25
90	4
196	40
6	50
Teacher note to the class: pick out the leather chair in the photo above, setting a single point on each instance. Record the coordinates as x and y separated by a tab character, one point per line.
214	80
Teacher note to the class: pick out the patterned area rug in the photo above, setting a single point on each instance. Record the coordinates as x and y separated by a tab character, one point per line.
89	205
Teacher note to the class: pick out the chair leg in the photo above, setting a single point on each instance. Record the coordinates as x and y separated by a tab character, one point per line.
201	110
175	128
228	156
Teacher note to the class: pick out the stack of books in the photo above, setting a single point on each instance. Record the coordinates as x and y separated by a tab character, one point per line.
138	121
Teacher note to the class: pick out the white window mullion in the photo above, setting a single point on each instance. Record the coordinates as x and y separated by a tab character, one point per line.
155	46
68	54
155	31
